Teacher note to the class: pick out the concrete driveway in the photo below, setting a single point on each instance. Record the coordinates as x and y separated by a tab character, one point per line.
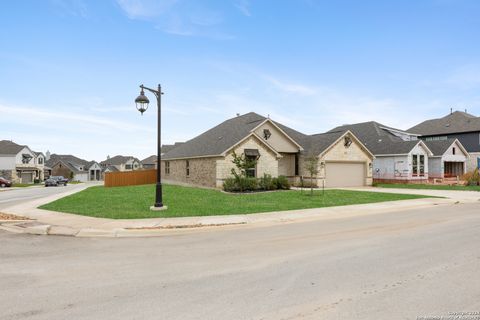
396	265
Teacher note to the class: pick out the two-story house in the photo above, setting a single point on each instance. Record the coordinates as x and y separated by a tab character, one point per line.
121	163
457	125
19	163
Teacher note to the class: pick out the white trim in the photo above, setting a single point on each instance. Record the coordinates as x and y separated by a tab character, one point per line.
277	127
461	146
400	131
430	153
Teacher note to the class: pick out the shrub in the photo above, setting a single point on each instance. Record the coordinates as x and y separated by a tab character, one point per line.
306	184
472	178
282	183
240	184
267	183
230	185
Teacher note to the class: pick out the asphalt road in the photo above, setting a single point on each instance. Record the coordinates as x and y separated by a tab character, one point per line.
400	265
15	196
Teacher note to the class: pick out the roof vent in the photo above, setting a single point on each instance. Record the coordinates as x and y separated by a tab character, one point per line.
447	125
238	114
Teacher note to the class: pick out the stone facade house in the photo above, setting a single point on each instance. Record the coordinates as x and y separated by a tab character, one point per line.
457	125
19	163
279	150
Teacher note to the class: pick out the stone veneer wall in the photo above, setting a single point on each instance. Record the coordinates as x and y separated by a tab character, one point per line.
8	174
202	171
266	164
338	153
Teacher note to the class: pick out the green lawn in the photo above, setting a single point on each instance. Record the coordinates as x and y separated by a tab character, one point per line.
428	186
25	185
135	201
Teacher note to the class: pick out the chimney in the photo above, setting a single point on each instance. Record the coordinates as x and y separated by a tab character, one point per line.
47	155
238	114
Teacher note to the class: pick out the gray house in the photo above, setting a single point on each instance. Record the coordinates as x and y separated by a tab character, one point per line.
399	155
457	125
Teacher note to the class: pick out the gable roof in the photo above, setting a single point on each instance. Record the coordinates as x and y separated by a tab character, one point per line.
150	160
455	122
66	158
118	160
439	147
377	138
215	141
10	147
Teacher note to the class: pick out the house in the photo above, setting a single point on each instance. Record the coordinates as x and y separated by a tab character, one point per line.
74	168
122	163
449	159
19	163
151	162
279	150
456	125
399	155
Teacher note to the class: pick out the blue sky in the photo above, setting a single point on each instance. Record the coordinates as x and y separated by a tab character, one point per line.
70	69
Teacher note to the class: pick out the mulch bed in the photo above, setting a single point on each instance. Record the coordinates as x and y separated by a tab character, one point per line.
5	216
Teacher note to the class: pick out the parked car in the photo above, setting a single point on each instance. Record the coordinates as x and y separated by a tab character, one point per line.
5	183
56	181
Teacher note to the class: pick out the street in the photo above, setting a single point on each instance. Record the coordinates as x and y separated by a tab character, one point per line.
16	196
397	265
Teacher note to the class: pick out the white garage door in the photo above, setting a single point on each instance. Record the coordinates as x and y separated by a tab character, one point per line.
344	174
27	177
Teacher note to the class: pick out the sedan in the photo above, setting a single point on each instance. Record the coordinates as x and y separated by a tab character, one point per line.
51	182
5	183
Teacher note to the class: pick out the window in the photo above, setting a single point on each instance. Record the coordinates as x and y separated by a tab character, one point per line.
438	138
415	164
453	150
26	158
128	166
187	166
167	167
296	164
422	165
40	160
251	155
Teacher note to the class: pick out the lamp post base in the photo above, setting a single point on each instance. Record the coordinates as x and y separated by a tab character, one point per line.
153	208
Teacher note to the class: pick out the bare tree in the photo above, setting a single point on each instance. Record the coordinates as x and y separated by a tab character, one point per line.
311	165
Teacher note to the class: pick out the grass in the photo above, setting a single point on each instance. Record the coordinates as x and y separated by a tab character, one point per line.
134	202
25	185
429	186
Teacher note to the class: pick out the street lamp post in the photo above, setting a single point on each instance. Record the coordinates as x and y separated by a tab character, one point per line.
142	105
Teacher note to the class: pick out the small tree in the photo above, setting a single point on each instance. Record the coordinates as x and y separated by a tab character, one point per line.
311	166
242	163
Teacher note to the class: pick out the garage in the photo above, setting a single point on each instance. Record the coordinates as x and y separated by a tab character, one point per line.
344	174
27	177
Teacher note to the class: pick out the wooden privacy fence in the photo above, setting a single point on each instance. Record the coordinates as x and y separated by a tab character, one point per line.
130	178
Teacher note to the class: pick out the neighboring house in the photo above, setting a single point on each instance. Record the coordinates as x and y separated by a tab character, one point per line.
449	159
122	163
19	163
399	155
151	162
207	159
457	125
74	168
110	169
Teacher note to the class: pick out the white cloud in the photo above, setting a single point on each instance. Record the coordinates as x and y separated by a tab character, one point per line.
244	7
291	87
136	9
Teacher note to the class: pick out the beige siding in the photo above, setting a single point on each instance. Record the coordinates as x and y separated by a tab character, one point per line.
277	140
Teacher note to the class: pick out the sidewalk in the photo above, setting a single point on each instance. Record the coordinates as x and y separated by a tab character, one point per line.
56	223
